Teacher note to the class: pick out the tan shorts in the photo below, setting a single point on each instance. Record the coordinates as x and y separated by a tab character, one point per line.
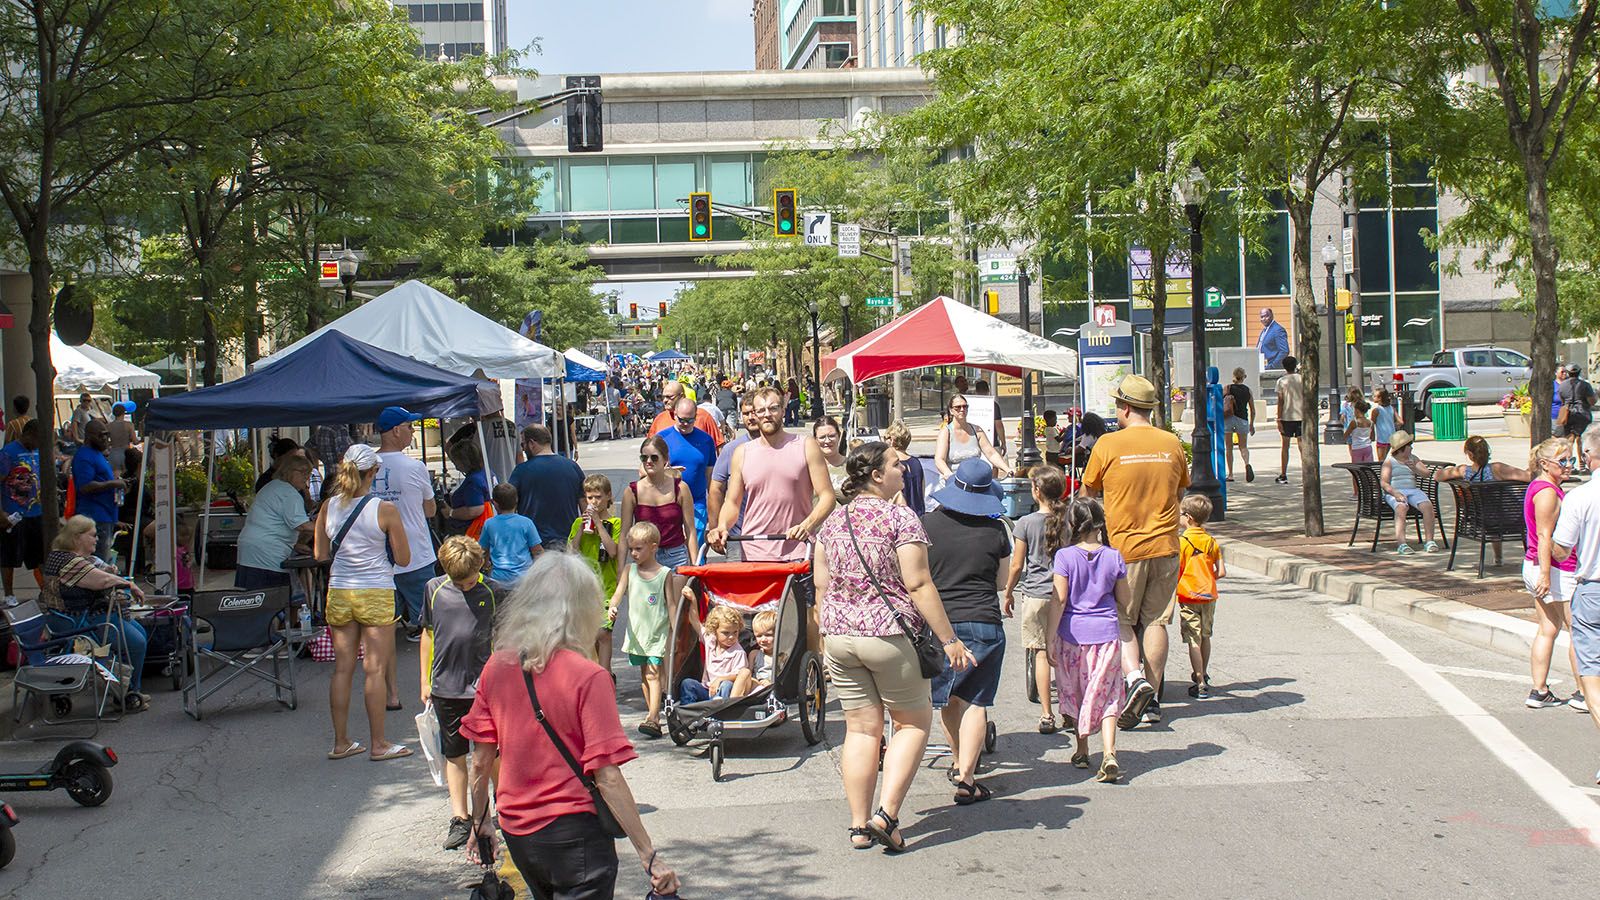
1035	624
364	606
875	671
1196	619
1152	592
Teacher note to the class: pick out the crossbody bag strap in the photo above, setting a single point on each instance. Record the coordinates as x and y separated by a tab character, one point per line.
349	522
899	617
538	713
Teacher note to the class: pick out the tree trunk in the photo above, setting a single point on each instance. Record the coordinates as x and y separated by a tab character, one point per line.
1544	253
208	327
1158	336
1310	334
44	373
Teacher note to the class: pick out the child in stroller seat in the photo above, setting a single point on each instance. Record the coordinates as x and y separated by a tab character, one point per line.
763	626
727	665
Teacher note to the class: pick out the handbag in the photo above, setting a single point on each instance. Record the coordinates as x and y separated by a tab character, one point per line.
930	656
491	887
608	821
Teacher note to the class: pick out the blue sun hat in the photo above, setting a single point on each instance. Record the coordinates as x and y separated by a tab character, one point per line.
971	490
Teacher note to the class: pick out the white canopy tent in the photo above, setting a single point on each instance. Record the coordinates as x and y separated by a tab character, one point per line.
417	321
86	368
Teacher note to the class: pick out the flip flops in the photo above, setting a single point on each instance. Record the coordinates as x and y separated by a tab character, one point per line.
393	751
355	748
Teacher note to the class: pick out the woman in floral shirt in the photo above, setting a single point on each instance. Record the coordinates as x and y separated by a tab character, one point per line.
870	553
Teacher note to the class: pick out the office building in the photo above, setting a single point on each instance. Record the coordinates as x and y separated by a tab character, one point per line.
811	34
893	33
458	30
765	15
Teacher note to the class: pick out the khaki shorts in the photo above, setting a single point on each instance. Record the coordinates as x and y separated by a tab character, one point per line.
364	606
1035	624
1196	619
1152	592
875	671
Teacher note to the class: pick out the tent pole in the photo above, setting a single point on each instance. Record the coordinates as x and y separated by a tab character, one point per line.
205	513
138	511
483	448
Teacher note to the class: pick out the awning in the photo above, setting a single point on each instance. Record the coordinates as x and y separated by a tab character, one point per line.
86	368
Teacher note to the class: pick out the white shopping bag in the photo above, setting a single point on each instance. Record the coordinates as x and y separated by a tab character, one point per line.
432	743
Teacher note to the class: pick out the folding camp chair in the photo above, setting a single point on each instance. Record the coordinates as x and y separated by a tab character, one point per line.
54	673
244	631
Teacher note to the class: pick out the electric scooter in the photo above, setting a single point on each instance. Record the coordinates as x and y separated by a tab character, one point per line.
82	768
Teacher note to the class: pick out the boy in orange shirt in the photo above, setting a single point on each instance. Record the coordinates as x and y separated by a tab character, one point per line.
1197	588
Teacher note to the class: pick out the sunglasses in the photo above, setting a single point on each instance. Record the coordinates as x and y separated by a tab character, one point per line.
649	457
955	406
688	421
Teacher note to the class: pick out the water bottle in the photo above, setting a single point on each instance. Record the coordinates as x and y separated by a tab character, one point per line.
305	618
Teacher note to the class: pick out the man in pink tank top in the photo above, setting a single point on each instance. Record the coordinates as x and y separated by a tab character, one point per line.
781	482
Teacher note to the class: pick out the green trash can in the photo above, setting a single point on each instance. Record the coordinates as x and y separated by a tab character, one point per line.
1448	409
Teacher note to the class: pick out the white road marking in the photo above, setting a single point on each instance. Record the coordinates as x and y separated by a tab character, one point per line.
1554	788
1483	673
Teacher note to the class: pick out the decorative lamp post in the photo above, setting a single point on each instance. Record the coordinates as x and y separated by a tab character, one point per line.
1191	191
844	309
744	350
1028	455
816	360
1333	432
348	263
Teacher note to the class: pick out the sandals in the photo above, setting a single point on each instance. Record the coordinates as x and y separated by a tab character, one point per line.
650	729
886	834
953	775
1080	761
861	831
393	751
1047	725
976	792
1109	771
354	748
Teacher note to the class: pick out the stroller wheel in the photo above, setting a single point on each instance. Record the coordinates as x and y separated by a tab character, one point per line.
813	699
716	760
60	706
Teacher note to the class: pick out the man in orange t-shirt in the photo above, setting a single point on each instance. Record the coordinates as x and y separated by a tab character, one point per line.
1140	472
670	392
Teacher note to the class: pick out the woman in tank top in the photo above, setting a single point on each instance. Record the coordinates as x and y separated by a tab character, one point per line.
360	610
662	499
1479	469
1551	583
960	440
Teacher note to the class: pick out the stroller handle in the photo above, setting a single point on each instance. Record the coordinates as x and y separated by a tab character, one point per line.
757	537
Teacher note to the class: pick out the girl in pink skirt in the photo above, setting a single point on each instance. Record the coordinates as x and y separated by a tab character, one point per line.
1090	577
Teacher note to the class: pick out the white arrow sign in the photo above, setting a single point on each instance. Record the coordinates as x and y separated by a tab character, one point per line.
849	240
819	229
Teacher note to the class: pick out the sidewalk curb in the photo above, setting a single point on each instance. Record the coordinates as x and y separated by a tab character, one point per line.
1480	627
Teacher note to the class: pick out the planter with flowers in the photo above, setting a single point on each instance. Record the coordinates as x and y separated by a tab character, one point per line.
1180	402
1517	408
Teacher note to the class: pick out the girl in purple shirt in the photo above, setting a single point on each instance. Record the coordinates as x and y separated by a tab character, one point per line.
1090	580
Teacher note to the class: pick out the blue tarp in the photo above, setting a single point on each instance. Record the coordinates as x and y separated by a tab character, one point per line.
333	380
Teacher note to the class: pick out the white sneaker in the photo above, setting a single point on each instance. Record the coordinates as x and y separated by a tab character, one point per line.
1577	702
10	600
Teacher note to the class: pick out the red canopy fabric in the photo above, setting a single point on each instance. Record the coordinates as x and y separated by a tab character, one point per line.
945	332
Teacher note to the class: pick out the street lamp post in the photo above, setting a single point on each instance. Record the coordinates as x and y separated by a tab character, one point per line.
844	309
1191	192
1028	455
1333	432
744	350
347	274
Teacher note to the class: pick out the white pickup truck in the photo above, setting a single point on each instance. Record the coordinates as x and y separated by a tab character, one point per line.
1486	372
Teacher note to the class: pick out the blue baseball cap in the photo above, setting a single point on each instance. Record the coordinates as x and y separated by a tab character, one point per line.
396	415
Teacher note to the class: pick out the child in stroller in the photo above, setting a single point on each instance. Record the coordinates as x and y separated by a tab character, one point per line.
727	666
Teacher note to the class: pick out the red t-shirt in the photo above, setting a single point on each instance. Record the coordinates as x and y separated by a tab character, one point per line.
536	785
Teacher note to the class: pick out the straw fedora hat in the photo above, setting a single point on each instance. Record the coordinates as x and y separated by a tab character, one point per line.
1400	440
1137	391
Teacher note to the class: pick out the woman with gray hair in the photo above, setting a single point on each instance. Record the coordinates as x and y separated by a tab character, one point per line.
541	687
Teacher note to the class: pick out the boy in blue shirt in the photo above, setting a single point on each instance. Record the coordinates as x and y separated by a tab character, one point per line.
510	539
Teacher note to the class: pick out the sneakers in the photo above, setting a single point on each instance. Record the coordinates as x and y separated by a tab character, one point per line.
1404	550
10	601
1281	479
414	634
1430	547
1200	690
1542	699
1140	694
1577	702
1152	713
460	831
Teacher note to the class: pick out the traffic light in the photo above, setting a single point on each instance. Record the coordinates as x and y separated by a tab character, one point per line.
663	309
783	213
700	217
633	311
991	302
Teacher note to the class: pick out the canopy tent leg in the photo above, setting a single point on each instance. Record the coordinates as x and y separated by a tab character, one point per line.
205	512
483	448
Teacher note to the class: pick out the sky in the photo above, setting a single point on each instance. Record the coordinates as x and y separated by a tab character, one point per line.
601	36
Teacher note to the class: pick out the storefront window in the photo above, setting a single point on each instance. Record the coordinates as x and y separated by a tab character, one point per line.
1266	268
1416	321
1376	346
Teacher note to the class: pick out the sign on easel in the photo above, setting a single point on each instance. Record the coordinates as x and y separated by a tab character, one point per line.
162	466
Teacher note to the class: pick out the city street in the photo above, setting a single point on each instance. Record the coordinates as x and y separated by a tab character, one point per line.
1344	753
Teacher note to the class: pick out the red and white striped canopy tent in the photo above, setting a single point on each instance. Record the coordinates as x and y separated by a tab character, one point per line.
947	333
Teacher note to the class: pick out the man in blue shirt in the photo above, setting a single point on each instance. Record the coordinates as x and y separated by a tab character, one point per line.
549	488
695	451
96	486
1273	344
22	542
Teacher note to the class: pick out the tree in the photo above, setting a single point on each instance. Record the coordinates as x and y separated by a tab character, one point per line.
1503	144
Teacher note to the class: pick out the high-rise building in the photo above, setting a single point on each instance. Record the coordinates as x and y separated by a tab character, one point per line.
765	14
458	30
893	33
813	34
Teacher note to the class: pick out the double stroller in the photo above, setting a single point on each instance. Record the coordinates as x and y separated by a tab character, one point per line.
797	689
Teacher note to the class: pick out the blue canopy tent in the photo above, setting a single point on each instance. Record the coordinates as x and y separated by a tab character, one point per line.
668	354
583	367
332	380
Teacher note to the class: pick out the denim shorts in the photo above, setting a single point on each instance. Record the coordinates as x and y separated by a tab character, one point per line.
409	590
1586	627
1414	498
978	684
673	557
